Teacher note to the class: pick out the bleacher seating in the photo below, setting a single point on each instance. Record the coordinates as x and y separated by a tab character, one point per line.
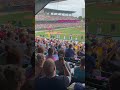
54	17
57	21
56	25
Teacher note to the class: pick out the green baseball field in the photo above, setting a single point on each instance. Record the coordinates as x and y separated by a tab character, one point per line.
76	32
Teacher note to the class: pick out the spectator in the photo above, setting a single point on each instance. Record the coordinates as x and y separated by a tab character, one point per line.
114	81
90	63
33	60
3	81
59	67
79	72
28	51
14	76
56	55
41	50
50	54
39	65
69	52
14	56
51	81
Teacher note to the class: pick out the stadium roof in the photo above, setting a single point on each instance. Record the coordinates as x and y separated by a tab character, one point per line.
57	11
40	4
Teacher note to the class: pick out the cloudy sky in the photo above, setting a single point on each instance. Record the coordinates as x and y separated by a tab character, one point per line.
74	5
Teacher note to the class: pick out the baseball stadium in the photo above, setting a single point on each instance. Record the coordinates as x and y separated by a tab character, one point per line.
40	41
59	24
56	49
59	41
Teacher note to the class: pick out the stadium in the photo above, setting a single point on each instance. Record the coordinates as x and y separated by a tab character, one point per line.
49	22
60	37
55	55
56	50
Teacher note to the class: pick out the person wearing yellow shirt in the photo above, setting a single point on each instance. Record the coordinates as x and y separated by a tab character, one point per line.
49	35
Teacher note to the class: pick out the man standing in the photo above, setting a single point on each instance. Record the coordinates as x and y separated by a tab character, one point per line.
70	52
64	36
57	36
76	38
70	36
82	37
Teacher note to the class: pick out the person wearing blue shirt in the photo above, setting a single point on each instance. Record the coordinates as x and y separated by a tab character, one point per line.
79	72
69	52
90	61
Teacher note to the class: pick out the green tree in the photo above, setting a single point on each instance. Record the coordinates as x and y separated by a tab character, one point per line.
80	17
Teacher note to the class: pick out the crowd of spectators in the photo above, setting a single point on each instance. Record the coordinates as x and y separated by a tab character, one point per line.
56	25
16	55
102	60
60	61
43	17
100	69
50	62
29	63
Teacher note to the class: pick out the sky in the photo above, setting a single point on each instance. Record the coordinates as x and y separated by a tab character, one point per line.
70	5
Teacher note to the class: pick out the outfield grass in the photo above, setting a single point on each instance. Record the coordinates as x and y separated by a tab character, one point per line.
24	17
67	31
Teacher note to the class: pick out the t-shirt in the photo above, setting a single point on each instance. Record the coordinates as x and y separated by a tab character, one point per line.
56	57
52	57
69	53
79	74
99	51
55	83
90	64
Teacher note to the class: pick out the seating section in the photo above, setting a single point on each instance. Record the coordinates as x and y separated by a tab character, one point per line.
57	21
54	17
56	25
